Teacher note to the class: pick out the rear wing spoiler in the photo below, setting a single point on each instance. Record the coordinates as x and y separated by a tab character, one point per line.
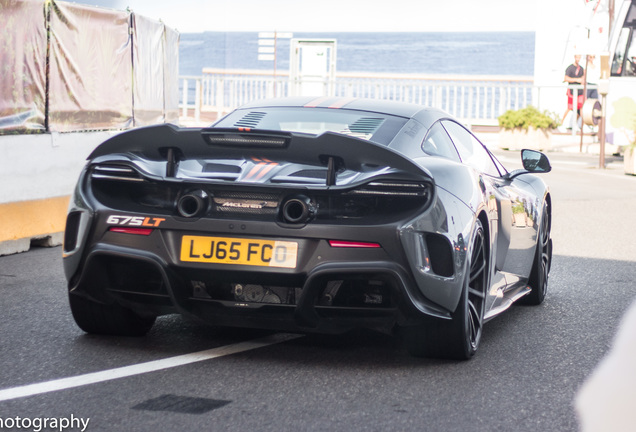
335	151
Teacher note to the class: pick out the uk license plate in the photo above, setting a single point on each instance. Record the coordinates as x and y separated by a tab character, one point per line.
231	250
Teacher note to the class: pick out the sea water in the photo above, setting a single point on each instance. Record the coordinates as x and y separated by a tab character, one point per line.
453	53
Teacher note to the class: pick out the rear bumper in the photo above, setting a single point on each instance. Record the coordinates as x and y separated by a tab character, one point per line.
150	284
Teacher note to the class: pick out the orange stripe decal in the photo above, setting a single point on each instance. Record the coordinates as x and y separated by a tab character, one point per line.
265	170
341	102
314	103
253	171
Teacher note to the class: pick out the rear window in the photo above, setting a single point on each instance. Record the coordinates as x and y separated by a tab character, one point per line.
379	128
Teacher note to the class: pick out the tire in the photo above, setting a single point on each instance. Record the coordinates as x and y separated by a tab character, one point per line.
108	319
458	338
538	280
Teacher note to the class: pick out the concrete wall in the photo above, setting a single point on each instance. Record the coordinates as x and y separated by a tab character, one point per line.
37	176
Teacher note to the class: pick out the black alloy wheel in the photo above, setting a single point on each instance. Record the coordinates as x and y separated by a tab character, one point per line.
476	291
459	337
538	280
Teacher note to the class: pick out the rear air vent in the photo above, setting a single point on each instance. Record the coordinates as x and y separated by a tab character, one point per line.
393	188
318	174
441	255
221	168
366	125
250	120
116	172
71	231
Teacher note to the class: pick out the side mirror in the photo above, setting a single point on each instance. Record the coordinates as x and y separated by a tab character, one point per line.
535	162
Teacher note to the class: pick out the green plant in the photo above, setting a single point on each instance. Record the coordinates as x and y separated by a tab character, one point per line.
518	208
526	117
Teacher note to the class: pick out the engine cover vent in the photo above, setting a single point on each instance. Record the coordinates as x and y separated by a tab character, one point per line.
250	120
366	125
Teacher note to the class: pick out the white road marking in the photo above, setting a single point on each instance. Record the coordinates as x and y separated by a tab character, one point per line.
141	368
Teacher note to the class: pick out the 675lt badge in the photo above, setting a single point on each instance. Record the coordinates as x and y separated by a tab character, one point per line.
134	221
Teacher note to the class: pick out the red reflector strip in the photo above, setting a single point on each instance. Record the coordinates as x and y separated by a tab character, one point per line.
352	244
129	230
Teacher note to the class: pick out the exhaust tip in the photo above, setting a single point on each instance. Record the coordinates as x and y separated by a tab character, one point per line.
193	204
298	210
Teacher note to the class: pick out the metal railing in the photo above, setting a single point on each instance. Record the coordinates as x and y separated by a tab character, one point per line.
473	99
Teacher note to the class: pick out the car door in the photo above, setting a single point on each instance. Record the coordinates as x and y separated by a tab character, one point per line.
516	203
497	203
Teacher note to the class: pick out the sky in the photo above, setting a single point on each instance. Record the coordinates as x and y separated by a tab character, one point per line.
194	16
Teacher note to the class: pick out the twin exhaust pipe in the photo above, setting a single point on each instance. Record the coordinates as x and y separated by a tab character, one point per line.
193	204
296	210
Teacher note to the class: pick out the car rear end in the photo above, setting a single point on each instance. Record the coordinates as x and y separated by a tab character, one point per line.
249	228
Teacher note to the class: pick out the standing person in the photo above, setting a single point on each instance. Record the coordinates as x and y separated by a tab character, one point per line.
574	76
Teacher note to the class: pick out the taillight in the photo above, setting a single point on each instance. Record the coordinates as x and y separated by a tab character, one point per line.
352	244
131	230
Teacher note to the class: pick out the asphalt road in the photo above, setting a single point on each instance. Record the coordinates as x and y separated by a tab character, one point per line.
531	362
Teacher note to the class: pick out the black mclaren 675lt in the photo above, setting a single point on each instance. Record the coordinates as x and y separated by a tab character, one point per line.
309	215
